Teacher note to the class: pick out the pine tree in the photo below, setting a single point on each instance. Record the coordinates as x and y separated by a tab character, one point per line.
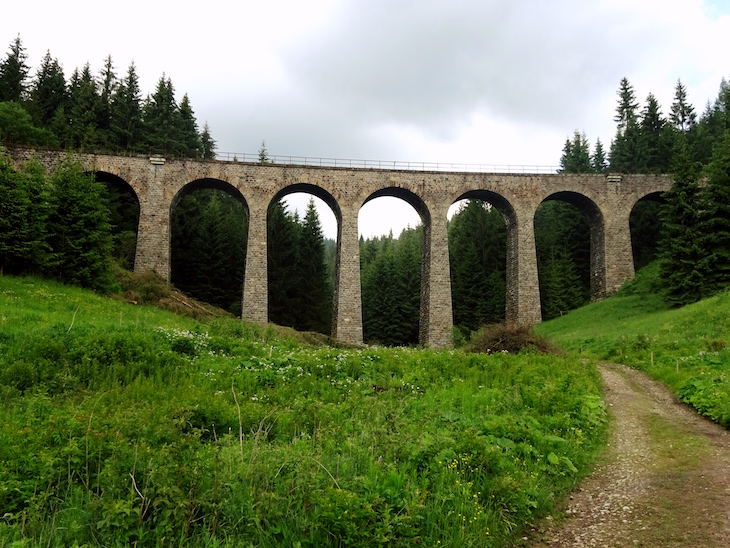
654	139
316	285
716	217
126	113
683	260
263	153
576	156
683	116
48	92
162	121
207	143
78	229
16	127
85	106
107	89
284	306
599	164
191	146
624	154
14	73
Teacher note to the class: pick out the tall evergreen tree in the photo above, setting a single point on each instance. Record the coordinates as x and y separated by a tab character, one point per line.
683	260
162	121
107	88
78	228
14	73
716	216
682	116
284	305
576	156
191	145
316	284
599	163
624	154
48	93
85	108
207	143
126	113
655	140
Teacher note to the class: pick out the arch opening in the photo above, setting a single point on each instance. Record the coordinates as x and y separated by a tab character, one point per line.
123	217
392	266
569	238
478	241
208	243
303	222
646	225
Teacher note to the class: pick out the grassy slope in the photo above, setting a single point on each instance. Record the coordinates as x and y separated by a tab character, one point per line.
685	348
124	424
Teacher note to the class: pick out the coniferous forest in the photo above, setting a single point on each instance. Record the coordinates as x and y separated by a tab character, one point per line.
686	230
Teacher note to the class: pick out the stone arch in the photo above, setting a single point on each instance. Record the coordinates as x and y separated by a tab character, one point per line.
596	224
124	216
315	190
223	242
645	226
512	257
429	324
332	203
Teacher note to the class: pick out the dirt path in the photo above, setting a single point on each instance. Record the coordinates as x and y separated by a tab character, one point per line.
664	481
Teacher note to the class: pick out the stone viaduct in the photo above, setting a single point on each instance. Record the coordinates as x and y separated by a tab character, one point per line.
606	200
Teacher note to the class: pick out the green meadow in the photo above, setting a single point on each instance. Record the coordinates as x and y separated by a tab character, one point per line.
127	425
685	348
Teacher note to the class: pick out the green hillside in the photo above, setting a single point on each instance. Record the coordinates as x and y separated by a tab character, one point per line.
686	348
127	425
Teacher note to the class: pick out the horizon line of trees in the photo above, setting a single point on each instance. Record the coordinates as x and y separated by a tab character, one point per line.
101	112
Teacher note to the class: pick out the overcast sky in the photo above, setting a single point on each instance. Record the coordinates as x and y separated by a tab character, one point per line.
467	81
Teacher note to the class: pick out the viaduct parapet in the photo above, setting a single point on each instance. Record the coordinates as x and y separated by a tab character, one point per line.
606	200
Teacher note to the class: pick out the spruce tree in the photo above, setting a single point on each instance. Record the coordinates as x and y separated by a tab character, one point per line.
716	217
207	143
599	163
576	156
316	285
162	120
107	88
126	114
284	306
48	93
190	143
85	106
14	73
683	260
655	140
624	154
682	116
79	233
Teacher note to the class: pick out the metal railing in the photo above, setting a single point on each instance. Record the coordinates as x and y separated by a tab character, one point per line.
383	164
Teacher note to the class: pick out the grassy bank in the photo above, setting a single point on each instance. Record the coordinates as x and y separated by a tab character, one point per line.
123	424
685	348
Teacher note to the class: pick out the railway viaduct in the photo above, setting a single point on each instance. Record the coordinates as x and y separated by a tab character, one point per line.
606	201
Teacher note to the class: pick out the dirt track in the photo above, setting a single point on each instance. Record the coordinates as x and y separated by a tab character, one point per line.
663	482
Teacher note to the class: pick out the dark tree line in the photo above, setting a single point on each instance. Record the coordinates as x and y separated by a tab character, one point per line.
102	112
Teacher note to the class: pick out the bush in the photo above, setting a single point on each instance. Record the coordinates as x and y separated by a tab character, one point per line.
507	338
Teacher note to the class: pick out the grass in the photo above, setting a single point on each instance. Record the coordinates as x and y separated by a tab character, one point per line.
126	424
685	348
